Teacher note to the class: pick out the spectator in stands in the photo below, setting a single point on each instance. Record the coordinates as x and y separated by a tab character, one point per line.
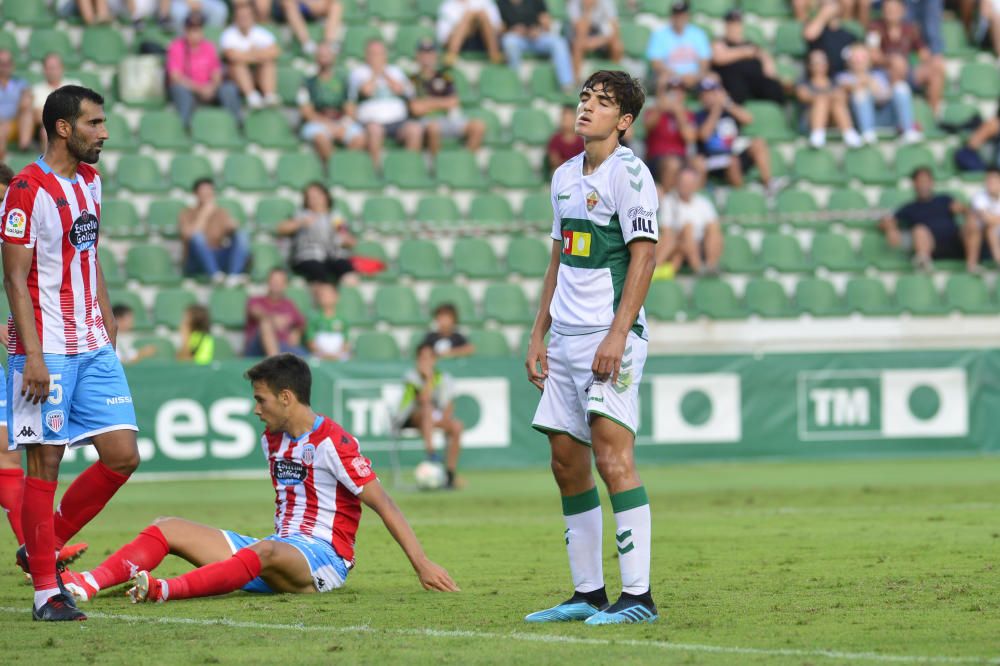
690	231
251	53
928	226
468	25
825	32
173	12
321	106
679	50
6	175
671	133
986	210
989	21
987	132
299	13
126	351
929	15
592	26
90	11
378	94
719	141
326	332
194	73
214	244
16	118
435	103
321	240
428	405
274	323
894	41
53	72
874	101
824	103
858	10
528	27
747	71
444	337
565	143
197	341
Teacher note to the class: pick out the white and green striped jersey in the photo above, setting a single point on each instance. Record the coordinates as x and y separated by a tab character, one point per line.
596	217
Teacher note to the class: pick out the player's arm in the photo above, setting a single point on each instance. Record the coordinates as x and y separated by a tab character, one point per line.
432	576
608	358
104	303
16	266
537	362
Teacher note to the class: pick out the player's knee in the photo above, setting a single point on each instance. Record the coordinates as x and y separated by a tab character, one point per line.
265	551
611	467
124	464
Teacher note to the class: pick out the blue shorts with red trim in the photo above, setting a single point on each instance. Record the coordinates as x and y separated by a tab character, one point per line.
329	570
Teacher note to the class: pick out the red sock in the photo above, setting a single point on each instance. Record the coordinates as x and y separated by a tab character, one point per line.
11	490
36	517
218	578
84	499
144	553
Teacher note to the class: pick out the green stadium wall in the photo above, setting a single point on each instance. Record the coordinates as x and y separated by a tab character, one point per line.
694	408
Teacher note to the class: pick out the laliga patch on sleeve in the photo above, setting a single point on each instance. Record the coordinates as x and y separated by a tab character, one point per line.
16	223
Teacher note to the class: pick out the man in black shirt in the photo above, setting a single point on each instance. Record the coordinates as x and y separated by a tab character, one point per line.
435	103
747	70
445	338
528	27
825	32
930	225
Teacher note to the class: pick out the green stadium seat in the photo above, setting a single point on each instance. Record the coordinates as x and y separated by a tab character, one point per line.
271	211
296	170
429	8
716	299
43	41
956	42
876	252
509	168
635	37
375	250
169	306
869	297
186	168
151	264
457	168
531	126
817	297
163	130
767	298
289	84
774	9
817	166
489	343
407	38
926	119
228	306
29	13
755	35
544	84
422	260
746	208
139	173
916	294
665	300
356	39
912	157
154	34
491	210
102	45
783	253
224	349
834	252
246	172
301	297
892	199
162	216
393	11
788	40
376	346
507	304
353	170
263	258
120	137
163	348
269	128
968	294
713	8
769	122
216	128
868	166
384	213
979	80
113	276
475	258
528	257
437	210
738	256
8	42
356	12
458	296
140	314
120	220
352	307
557	8
851	208
798	207
536	209
397	305
495	135
468	95
235	208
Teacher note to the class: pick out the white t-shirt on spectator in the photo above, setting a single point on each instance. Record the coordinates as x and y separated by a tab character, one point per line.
232	39
383	107
676	214
982	202
451	12
602	17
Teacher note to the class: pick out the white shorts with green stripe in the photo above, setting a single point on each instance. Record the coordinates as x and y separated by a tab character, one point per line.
571	394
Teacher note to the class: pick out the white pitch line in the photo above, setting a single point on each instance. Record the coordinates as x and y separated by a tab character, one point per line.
543	638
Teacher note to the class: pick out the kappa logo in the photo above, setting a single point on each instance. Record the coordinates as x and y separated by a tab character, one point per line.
320	583
362	466
27	432
592	200
16	223
61	202
55	420
22	185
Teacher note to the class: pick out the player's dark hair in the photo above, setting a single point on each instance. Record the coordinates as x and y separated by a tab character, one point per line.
626	90
119	310
284	371
919	170
422	346
199	318
205	180
322	188
989	170
6	174
64	104
447	308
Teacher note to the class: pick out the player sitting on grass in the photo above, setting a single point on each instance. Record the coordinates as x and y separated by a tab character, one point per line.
320	479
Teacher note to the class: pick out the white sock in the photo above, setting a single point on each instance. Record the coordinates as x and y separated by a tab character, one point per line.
89	577
632	538
817	138
584	531
42	596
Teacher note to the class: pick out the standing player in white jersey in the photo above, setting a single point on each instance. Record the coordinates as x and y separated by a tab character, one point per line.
604	233
65	385
320	480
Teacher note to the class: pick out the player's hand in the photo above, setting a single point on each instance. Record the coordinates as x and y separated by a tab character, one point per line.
608	359
434	577
537	363
35	379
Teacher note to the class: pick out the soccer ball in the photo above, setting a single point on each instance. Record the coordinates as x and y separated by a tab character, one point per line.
430	475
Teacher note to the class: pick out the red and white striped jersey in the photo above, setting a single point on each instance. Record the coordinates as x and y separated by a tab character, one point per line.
59	219
317	479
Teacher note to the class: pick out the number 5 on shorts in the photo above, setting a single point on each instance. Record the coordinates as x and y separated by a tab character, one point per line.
55	390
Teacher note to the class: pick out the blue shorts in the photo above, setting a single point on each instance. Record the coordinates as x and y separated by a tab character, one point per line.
88	396
3	398
329	570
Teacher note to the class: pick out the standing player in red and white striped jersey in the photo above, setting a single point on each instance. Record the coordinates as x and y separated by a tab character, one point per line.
66	386
320	480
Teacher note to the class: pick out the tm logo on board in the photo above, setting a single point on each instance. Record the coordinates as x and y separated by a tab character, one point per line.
877	404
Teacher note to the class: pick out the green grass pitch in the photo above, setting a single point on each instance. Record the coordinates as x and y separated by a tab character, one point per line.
805	563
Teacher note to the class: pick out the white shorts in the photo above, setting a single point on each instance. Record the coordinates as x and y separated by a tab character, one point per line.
571	395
